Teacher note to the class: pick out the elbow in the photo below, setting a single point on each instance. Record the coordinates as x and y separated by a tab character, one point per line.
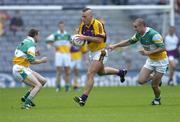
164	49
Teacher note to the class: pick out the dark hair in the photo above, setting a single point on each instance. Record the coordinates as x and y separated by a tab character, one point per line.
33	32
85	9
61	22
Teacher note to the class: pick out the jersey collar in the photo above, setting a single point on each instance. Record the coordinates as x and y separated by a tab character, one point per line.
147	30
31	38
92	21
61	33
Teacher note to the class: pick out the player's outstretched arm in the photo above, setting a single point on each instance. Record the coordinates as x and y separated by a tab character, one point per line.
123	43
39	61
90	38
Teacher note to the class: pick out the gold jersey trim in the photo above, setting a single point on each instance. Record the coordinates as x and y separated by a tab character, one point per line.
63	49
158	56
21	61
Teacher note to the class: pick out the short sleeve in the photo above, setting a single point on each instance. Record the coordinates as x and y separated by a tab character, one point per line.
80	28
158	41
50	38
31	53
99	29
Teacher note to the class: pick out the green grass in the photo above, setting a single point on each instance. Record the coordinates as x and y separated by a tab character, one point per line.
106	104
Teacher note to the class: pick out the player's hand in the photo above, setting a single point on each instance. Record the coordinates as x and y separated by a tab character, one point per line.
81	37
37	53
44	59
111	47
144	52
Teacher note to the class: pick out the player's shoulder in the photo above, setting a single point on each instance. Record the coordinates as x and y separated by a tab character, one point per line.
29	42
67	33
157	37
81	24
97	22
153	31
98	25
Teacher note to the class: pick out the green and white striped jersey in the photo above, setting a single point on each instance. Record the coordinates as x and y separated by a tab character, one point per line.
25	52
151	40
61	41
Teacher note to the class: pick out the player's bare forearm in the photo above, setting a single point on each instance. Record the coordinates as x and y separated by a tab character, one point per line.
147	53
90	38
123	43
39	61
94	39
158	50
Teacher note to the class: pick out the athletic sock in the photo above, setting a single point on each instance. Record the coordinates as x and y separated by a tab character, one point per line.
121	72
27	94
158	98
58	86
67	86
28	99
84	97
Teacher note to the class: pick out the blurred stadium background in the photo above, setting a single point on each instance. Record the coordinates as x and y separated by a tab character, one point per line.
118	24
111	104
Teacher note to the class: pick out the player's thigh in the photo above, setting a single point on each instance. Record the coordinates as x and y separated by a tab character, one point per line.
67	70
31	80
78	64
23	74
40	78
101	70
157	78
59	69
19	73
66	60
95	67
99	58
58	59
172	64
144	74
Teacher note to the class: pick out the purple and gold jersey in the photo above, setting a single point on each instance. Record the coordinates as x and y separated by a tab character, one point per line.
76	52
95	29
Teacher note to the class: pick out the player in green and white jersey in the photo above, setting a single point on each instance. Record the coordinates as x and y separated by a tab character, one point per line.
24	56
60	40
154	49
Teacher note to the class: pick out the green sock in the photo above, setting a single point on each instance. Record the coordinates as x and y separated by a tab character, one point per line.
67	86
28	100
27	94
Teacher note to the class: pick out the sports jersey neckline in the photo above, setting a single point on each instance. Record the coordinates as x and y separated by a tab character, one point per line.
30	38
147	30
65	32
92	21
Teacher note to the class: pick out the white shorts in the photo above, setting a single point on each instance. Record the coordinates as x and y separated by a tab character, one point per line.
20	72
76	64
62	59
159	66
98	55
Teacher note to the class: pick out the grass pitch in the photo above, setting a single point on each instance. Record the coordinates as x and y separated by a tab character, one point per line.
105	104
